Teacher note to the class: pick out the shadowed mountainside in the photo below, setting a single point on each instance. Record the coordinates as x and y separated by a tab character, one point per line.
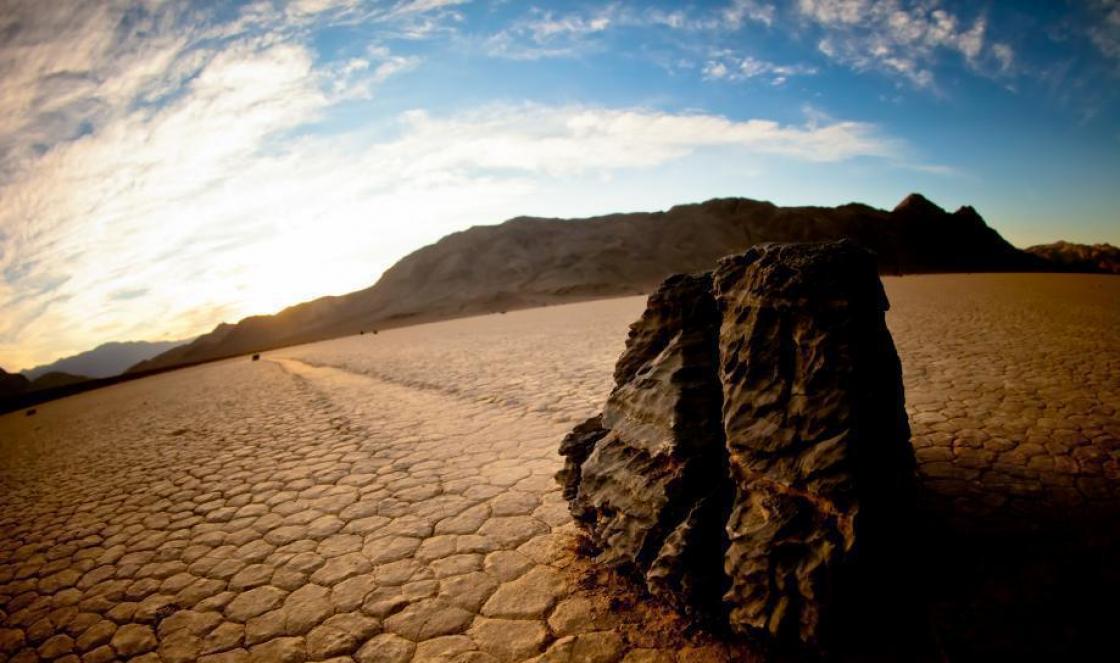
1091	258
15	384
105	360
12	383
55	379
533	261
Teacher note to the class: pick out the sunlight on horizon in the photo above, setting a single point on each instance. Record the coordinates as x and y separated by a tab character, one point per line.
166	166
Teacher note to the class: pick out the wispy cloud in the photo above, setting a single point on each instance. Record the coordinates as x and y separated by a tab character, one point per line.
160	167
544	34
900	37
728	17
741	11
126	129
1104	31
403	18
235	217
727	65
567	140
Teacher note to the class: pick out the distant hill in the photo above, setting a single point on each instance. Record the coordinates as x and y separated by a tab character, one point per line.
55	379
105	360
1072	257
534	261
12	384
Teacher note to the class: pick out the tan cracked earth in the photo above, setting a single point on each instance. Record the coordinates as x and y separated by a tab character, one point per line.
390	497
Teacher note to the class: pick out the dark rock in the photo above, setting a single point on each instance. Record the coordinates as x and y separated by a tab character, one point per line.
31	412
256	357
576	447
648	463
755	445
816	429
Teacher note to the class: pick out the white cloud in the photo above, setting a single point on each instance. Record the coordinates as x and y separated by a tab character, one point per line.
158	181
125	130
571	140
404	18
741	11
198	208
896	36
716	70
67	66
545	34
726	18
730	66
357	78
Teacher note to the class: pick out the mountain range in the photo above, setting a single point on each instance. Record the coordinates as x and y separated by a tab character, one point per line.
14	384
530	261
105	360
1100	258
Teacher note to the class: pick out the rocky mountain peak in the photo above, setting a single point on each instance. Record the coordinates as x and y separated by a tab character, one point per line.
916	203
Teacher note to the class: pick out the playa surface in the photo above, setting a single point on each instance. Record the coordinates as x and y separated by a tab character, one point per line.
389	497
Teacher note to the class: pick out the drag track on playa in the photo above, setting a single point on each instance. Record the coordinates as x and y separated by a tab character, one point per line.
390	497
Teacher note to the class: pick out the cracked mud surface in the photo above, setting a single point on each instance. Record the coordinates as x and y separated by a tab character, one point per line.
389	497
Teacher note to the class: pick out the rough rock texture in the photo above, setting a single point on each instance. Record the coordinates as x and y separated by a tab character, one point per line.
816	429
640	476
576	447
755	440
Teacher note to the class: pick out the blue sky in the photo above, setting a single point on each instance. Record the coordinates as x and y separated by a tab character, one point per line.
165	166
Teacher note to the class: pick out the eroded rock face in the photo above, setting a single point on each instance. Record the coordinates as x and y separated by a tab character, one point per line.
815	428
755	445
640	476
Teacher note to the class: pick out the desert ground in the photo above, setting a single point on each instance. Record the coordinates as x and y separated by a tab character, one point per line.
389	497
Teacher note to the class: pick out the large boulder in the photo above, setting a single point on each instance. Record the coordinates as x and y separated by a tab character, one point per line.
815	428
753	455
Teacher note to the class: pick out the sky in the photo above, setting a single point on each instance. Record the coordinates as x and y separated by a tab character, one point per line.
166	166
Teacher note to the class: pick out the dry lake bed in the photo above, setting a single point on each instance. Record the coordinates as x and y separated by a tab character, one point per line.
390	497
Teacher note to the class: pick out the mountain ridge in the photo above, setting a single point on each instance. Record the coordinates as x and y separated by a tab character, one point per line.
12	384
1073	257
531	261
105	360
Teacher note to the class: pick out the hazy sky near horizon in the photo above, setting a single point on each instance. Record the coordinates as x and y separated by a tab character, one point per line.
165	166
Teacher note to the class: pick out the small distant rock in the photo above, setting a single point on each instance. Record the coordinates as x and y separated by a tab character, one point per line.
31	412
256	357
